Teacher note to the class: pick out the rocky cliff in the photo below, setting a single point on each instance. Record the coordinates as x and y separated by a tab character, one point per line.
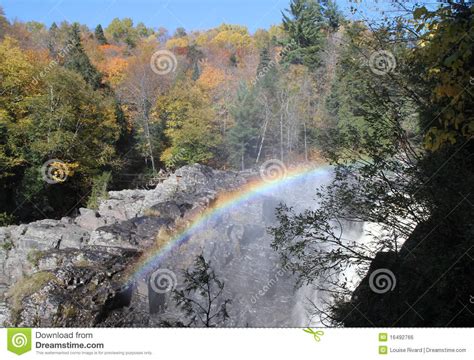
71	272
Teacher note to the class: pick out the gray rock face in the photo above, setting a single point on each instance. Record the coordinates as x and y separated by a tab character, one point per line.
69	272
21	245
188	186
78	272
139	232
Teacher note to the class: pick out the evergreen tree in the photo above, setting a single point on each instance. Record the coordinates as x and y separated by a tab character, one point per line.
196	72
243	137
143	31
3	23
77	59
53	39
265	61
332	14
180	32
303	23
122	30
100	36
195	55
267	72
233	60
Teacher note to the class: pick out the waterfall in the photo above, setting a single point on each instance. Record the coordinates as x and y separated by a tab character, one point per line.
238	245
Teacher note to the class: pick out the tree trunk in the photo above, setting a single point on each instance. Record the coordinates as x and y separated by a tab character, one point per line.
146	125
305	143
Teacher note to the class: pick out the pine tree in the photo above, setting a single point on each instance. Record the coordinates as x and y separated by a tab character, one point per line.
180	32
100	36
243	137
77	59
304	23
267	72
3	23
196	72
265	61
53	40
195	55
233	60
332	14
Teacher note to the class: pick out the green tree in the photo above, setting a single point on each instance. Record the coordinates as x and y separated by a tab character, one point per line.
243	136
4	24
265	61
332	14
35	26
122	30
304	23
53	39
449	58
100	36
189	123
144	31
77	59
180	32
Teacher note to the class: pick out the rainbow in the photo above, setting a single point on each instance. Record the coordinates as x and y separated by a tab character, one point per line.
225	202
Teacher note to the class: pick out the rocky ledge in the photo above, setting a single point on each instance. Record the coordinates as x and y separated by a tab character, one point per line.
70	272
